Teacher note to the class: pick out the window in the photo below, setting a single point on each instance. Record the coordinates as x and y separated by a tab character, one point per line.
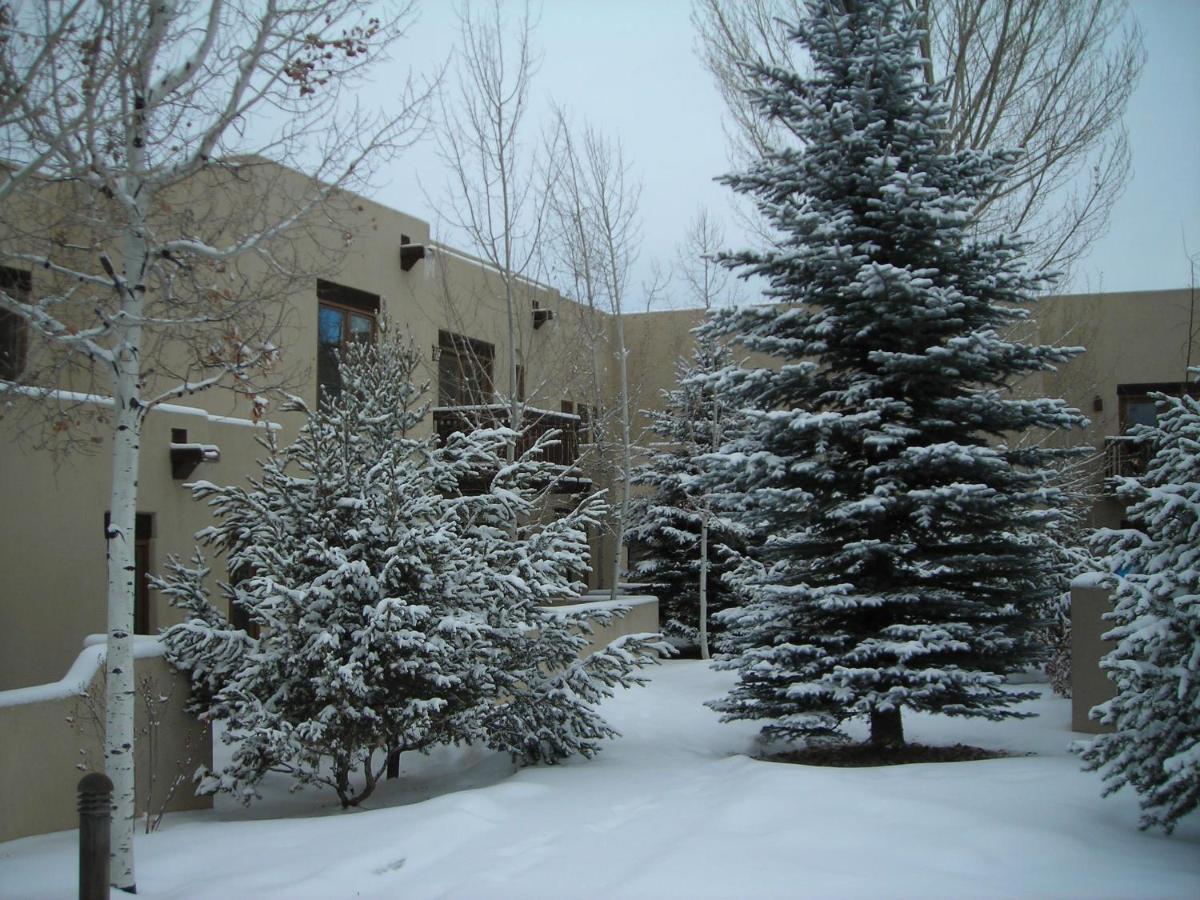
345	314
585	422
1137	407
143	533
238	615
585	419
13	333
464	370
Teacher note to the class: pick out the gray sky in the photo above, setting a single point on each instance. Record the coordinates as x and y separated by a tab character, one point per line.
629	68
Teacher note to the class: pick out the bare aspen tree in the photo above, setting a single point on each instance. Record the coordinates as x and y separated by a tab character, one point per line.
499	182
597	207
705	281
707	284
1050	77
159	239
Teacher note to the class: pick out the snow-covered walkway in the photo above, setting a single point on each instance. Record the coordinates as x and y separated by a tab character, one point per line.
673	809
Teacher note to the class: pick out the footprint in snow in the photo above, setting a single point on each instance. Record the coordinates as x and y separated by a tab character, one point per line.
390	867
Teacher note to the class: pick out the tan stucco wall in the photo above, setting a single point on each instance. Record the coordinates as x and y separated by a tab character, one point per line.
44	734
52	592
1131	338
641	617
1089	684
51	547
52	508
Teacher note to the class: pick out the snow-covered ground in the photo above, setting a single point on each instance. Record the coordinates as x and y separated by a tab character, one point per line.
673	809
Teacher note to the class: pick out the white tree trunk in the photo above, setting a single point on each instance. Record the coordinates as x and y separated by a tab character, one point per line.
515	413
119	689
122	528
704	586
626	452
122	589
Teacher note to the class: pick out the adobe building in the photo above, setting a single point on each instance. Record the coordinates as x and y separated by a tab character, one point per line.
452	305
52	509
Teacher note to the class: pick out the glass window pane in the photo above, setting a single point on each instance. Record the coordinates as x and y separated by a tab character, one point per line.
1140	412
360	327
329	382
329	329
449	380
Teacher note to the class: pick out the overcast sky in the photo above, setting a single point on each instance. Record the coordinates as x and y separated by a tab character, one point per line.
629	68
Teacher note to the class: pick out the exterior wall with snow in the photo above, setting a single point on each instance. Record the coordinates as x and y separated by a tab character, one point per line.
52	592
640	617
1089	683
51	736
1138	337
52	533
51	511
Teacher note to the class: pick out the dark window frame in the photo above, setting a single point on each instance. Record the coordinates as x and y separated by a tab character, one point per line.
14	330
584	412
347	302
1129	395
474	358
143	539
239	617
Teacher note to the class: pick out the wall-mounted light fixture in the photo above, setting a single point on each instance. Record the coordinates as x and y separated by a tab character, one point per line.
410	253
541	316
186	456
1098	403
437	353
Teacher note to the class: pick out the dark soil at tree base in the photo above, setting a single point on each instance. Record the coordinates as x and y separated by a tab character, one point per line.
859	755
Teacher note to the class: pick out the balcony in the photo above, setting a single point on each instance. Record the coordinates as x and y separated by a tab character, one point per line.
1125	456
564	455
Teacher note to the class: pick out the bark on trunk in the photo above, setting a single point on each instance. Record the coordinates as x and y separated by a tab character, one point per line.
887	729
704	586
121	536
119	692
623	371
514	401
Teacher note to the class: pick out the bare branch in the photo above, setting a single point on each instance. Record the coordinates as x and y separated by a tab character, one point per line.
1051	78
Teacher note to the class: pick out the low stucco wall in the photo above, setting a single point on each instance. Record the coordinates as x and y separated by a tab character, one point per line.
640	617
1089	683
54	589
50	735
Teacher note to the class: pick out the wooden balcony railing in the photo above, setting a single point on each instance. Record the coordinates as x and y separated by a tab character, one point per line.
1126	456
534	424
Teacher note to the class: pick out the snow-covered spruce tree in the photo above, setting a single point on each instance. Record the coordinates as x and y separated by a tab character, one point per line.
397	589
1155	744
901	556
667	523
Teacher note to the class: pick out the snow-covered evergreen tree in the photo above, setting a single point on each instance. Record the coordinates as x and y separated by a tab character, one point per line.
1155	744
397	602
902	553
666	524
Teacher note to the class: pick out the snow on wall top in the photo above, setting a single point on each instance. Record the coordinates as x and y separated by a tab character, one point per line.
86	666
1092	580
100	400
624	603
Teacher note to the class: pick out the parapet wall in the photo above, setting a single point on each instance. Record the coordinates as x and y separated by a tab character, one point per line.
1090	685
53	733
641	617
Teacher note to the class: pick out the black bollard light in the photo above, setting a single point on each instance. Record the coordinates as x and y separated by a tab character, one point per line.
95	817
